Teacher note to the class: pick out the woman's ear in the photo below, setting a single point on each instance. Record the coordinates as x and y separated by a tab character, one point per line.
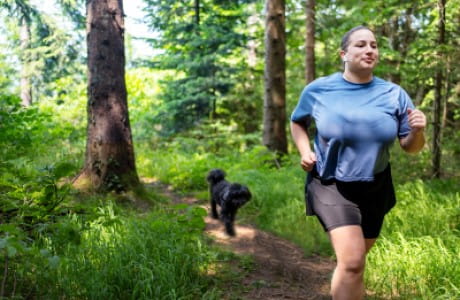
343	55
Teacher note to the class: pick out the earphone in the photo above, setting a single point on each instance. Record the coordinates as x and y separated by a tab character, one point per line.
345	58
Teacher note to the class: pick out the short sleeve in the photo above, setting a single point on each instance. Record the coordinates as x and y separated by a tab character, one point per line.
303	111
404	103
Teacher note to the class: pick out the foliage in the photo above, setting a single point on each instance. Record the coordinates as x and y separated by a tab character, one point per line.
200	40
31	198
75	10
418	253
5	70
19	128
67	104
143	88
55	243
53	246
52	51
159	256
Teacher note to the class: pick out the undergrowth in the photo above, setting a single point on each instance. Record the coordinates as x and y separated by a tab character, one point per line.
56	243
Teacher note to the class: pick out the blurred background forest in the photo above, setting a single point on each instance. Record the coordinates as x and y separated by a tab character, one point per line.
205	85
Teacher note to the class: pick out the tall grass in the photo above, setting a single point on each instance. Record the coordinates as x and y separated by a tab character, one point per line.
159	256
418	255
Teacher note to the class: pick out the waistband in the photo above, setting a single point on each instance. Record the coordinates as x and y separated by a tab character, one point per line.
314	174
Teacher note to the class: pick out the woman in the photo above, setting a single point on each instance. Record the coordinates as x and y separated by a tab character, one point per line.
349	188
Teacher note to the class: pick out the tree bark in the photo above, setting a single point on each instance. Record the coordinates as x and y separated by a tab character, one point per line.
109	163
310	42
437	104
26	88
274	136
197	12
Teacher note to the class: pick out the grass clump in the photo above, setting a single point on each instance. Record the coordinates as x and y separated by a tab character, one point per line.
417	256
159	256
415	267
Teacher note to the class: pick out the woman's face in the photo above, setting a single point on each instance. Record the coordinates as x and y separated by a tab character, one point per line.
362	52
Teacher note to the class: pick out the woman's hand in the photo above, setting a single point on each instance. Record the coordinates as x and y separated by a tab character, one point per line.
417	119
300	136
308	160
415	141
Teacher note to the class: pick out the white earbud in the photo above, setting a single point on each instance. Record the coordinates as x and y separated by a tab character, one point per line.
345	58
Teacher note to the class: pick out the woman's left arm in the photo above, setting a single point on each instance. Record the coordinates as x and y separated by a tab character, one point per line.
415	141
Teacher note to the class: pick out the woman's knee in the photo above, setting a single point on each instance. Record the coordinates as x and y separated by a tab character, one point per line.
353	264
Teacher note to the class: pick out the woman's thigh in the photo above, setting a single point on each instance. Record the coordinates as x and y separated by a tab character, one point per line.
349	245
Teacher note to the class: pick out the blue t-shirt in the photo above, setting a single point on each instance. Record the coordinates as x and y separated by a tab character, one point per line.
356	124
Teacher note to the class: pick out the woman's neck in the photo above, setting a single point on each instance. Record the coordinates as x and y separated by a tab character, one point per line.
357	78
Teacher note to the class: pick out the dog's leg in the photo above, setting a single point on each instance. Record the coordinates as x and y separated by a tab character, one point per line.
230	229
214	213
228	217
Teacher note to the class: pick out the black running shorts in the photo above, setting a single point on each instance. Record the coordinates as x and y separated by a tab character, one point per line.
337	203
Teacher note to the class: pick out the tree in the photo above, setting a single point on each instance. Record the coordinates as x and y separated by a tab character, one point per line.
310	41
43	48
274	135
26	90
437	103
24	12
109	162
198	39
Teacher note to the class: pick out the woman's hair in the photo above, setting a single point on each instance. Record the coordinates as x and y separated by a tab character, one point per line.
346	36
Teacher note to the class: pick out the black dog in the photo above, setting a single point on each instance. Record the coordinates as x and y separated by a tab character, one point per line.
229	196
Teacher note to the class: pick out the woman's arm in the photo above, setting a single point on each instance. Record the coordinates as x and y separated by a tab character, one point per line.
415	141
302	141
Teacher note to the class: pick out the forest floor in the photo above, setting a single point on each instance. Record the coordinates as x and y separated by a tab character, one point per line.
279	269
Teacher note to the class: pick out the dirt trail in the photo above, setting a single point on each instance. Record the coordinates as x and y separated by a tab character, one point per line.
280	269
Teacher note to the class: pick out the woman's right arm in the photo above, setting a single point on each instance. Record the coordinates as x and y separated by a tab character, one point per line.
302	141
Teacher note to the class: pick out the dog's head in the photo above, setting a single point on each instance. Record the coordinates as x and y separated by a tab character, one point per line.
215	175
238	194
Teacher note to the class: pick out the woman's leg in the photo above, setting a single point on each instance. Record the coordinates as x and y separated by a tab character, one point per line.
369	244
350	248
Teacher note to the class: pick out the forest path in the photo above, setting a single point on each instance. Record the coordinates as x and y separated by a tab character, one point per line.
280	270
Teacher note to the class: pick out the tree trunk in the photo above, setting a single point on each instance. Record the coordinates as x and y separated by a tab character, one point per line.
437	104
274	136
310	42
252	42
26	89
110	163
197	12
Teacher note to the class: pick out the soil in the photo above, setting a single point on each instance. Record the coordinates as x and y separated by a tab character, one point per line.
280	269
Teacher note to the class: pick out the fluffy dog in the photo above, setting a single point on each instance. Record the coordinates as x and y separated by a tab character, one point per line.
229	196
